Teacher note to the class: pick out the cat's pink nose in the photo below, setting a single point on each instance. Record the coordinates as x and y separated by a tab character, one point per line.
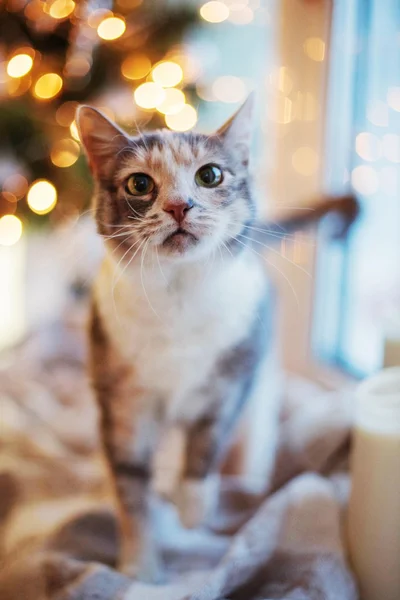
178	208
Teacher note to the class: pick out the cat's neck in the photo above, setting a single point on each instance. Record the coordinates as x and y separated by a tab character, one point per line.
166	274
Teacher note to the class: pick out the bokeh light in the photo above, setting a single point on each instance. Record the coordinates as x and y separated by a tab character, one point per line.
305	161
244	16
314	48
10	230
365	180
378	114
391	147
65	153
111	28
204	91
74	131
66	113
61	9
368	146
78	66
48	86
42	197
283	110
167	74
280	78
214	12
305	107
183	120
393	98
149	95
98	15
173	102
136	66
229	89
16	184
19	65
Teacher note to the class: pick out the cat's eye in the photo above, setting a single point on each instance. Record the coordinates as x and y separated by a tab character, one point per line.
209	176
139	184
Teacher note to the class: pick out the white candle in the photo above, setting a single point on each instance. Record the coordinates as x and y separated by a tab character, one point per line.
374	509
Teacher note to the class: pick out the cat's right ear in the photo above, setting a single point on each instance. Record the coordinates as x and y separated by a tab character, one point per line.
101	139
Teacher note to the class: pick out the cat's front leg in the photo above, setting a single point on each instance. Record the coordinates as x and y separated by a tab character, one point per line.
138	552
197	493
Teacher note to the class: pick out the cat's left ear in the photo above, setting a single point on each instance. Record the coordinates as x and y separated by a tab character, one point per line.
101	139
236	133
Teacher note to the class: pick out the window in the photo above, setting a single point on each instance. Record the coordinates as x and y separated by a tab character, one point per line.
358	281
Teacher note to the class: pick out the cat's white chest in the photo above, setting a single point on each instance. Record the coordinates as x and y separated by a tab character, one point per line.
174	334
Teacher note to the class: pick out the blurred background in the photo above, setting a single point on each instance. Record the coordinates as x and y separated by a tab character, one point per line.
327	76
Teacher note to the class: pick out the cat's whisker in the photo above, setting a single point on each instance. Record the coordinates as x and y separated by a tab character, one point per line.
144	250
119	234
282	236
120	244
278	253
274	267
137	215
115	281
227	248
159	265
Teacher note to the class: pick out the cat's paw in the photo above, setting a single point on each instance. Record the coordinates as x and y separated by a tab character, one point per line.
195	500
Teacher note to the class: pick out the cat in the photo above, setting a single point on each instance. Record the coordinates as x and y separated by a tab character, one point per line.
182	318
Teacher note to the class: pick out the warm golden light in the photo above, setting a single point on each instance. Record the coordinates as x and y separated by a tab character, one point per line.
229	89
214	12
48	86
167	74
281	80
283	110
393	98
305	161
19	65
305	107
365	180
315	48
172	103
16	184
60	9
97	16
135	66
42	197
10	230
66	113
149	95
74	131
244	16
77	66
129	3
368	146
65	153
183	120
111	28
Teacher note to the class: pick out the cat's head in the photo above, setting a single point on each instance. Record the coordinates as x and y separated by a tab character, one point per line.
185	195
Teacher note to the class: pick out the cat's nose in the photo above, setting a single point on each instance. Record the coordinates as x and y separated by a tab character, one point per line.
178	208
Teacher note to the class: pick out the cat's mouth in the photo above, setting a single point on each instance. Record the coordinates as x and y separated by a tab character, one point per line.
179	240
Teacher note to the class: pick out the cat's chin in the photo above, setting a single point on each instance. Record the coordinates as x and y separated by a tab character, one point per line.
179	242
